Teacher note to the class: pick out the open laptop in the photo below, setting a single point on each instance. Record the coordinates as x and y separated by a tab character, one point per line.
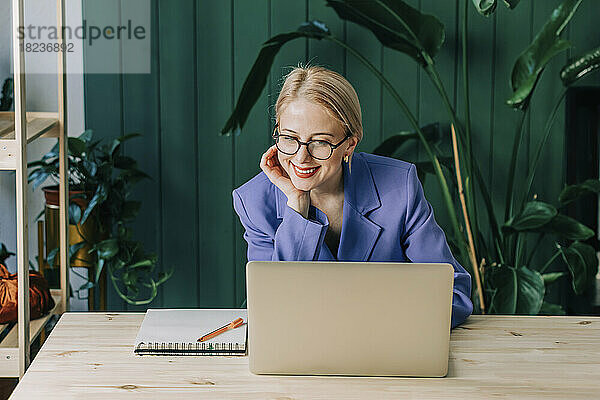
349	318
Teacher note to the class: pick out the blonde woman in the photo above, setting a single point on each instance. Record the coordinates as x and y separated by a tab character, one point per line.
317	200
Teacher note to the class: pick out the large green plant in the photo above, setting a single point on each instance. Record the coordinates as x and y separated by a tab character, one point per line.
100	169
509	283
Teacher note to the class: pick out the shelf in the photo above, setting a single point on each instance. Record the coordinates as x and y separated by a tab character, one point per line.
9	347
39	124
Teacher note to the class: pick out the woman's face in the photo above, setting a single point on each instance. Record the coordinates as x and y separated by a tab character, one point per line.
306	121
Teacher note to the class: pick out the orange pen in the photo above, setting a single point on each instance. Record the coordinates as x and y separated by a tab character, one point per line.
231	325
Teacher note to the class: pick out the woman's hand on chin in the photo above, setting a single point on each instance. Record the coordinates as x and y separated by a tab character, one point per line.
298	200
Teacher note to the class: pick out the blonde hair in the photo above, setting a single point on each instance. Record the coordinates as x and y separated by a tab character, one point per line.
327	88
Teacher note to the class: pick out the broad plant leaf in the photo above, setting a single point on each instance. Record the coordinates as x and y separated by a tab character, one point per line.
534	215
86	286
6	98
4	253
397	26
86	136
544	218
98	198
580	67
39	176
551	309
582	262
573	192
128	136
515	290
74	248
485	7
257	78
54	152
511	3
99	268
107	248
131	209
503	280
488	7
427	166
74	214
569	228
114	146
432	133
90	167
124	162
76	146
52	256
134	175
546	44
530	291
552	277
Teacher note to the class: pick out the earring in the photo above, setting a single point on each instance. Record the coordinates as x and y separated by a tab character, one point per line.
346	158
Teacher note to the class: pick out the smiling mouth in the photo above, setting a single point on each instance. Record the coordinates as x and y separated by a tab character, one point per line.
305	172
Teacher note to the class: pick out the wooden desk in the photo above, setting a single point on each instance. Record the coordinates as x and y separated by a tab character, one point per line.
90	356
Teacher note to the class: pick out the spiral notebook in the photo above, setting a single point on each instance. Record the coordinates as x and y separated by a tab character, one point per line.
174	332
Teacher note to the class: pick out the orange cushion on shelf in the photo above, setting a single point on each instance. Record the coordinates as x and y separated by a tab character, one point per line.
40	300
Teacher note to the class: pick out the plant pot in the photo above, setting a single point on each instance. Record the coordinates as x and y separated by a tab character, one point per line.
89	229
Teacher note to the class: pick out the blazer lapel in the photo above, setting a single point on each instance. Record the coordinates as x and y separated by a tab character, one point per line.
359	234
280	202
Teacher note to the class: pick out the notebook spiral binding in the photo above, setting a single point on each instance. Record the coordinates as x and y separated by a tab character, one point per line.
191	349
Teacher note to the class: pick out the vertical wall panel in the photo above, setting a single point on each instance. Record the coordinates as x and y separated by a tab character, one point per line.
545	97
179	154
402	72
512	33
481	83
324	52
141	115
217	267
251	30
103	101
367	86
285	16
431	105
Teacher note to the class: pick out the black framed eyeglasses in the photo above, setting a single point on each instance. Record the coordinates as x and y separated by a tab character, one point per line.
318	149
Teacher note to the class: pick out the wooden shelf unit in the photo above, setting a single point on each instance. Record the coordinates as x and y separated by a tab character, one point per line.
9	347
17	130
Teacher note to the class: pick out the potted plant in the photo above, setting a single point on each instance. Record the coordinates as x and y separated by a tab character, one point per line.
100	182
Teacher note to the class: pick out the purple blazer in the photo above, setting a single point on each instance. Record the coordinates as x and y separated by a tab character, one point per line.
385	218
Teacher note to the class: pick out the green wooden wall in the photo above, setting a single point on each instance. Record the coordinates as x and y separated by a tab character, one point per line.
201	53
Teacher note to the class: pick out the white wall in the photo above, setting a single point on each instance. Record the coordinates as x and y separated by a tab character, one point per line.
41	96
